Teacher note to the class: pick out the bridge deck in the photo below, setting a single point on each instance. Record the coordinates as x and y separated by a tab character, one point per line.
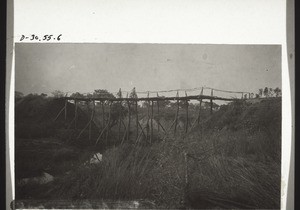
194	97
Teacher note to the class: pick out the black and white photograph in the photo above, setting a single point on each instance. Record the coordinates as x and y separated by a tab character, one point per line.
150	104
148	126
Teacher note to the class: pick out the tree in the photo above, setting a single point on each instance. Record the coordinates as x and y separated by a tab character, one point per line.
206	105
18	94
117	108
77	95
161	103
164	103
271	92
102	93
44	95
256	95
182	104
133	93
58	94
277	92
215	106
260	92
266	92
119	94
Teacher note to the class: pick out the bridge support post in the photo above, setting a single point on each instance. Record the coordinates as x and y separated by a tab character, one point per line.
87	125
187	114
199	113
157	114
186	168
129	119
211	101
76	107
103	113
148	116
66	104
120	116
125	132
119	126
142	130
176	116
108	122
137	119
151	135
92	117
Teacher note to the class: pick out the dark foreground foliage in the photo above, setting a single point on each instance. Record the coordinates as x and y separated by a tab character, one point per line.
233	161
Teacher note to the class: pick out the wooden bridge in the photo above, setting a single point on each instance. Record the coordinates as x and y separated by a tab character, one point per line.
132	112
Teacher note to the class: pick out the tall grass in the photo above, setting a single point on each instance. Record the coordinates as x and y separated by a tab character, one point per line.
229	169
122	175
231	163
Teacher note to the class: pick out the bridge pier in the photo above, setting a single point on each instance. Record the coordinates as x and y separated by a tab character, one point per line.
211	101
137	120
187	114
177	112
148	116
103	113
151	134
87	125
199	113
129	119
119	124
157	115
108	122
66	104
76	110
92	117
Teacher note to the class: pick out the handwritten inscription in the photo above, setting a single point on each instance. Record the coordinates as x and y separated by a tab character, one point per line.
46	37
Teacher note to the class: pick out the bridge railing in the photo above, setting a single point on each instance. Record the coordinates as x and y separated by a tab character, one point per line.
204	93
189	94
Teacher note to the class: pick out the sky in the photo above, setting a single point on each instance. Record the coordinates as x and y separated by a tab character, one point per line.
43	68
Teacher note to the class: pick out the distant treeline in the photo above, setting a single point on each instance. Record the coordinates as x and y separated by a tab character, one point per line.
265	92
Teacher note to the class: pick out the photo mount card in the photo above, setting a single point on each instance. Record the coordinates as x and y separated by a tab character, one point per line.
72	63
